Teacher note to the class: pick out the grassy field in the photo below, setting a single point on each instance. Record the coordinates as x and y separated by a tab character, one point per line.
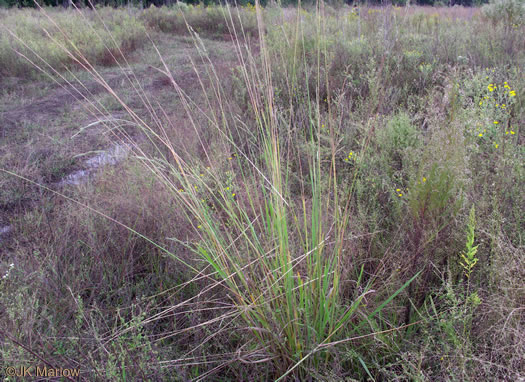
214	193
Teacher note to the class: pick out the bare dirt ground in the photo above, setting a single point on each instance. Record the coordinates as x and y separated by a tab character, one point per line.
50	106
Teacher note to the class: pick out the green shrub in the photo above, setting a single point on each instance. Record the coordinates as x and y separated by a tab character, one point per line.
510	13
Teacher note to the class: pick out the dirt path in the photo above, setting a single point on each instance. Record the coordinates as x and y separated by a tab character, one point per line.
41	125
49	106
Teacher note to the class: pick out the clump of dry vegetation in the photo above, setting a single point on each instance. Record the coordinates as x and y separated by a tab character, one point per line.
35	41
210	21
345	202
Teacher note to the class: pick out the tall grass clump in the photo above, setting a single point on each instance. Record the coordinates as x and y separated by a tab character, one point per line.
280	253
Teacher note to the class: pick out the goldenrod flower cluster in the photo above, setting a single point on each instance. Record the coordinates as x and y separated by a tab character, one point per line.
495	103
351	156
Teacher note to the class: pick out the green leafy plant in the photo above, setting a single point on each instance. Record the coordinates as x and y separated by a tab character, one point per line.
468	257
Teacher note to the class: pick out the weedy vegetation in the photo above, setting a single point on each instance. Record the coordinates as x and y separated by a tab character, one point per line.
318	193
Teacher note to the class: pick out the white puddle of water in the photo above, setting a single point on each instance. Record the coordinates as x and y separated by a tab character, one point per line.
110	157
5	230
